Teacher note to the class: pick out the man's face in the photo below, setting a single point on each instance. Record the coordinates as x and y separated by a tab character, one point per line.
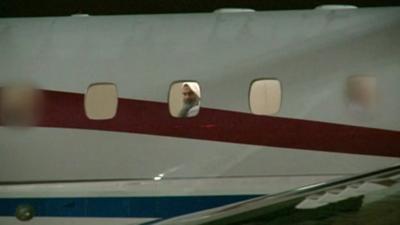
189	96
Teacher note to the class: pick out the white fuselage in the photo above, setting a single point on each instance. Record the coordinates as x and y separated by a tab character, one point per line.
312	53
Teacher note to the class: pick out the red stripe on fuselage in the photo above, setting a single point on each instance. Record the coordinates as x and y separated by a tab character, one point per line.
66	110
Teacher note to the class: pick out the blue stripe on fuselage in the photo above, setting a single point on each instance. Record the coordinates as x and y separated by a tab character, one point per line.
121	207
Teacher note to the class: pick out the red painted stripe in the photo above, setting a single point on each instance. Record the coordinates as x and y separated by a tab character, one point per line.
66	110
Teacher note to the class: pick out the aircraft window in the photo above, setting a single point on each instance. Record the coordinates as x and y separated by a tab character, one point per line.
361	93
101	101
184	99
20	105
265	96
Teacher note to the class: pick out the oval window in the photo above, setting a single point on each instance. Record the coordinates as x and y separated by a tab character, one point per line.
101	101
265	96
184	99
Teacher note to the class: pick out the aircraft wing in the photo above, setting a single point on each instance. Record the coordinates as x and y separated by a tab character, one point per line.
340	195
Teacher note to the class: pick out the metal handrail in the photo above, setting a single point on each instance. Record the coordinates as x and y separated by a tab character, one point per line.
230	210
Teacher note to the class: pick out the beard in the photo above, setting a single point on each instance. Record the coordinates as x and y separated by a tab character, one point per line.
187	105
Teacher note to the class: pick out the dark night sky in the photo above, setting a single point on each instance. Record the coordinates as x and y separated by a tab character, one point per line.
18	8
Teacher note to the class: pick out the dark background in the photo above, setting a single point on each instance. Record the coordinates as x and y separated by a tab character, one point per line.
18	8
